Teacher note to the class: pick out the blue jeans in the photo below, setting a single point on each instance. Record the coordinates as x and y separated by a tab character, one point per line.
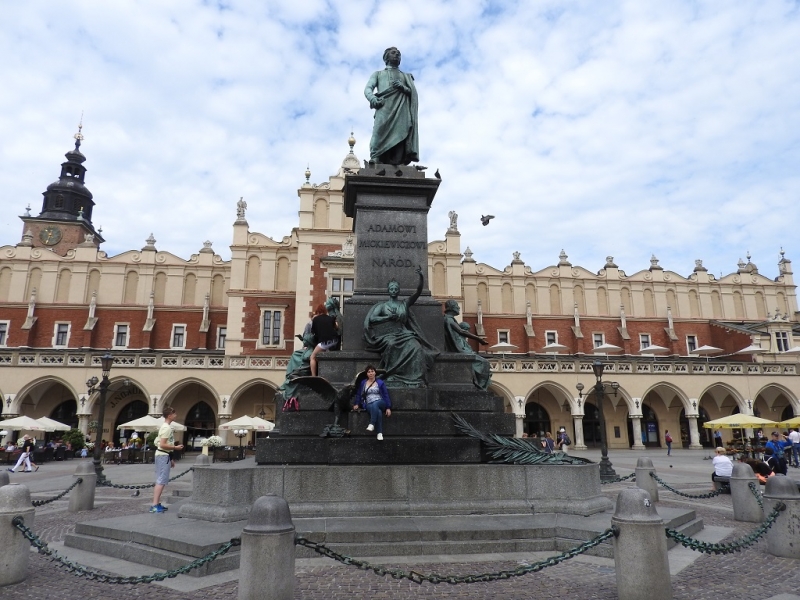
795	454
375	410
669	448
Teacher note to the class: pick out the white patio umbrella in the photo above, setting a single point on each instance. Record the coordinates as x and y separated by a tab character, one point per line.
706	350
606	349
503	347
654	349
245	422
55	425
554	347
148	423
751	349
24	423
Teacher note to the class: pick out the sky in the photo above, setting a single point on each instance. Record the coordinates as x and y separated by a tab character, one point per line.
618	128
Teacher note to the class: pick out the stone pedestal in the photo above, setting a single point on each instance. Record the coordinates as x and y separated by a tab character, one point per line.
390	220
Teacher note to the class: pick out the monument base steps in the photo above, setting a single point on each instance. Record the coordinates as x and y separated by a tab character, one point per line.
166	541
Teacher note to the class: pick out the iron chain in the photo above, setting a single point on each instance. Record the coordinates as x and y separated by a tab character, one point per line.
61	495
81	571
632	477
456	579
139	487
756	493
731	547
713	494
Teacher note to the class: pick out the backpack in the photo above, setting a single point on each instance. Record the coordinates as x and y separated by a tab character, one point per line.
291	405
566	441
778	464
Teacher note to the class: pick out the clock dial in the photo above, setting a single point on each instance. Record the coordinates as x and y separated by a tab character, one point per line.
50	235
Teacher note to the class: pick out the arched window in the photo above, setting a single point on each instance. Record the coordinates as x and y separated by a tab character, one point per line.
738	305
62	286
530	296
189	290
131	287
580	299
439	283
672	301
483	296
321	214
217	290
555	299
34	283
627	302
507	296
92	285
761	306
649	303
160	288
5	283
282	275
694	304
537	419
716	305
253	274
602	301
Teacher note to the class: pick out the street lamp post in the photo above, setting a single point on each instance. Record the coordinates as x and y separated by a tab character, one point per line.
106	362
240	433
607	472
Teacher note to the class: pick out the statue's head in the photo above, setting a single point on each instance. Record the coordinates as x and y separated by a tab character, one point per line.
391	57
393	288
464	325
452	306
332	304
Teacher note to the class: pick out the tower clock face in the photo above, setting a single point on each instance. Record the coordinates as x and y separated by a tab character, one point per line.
50	235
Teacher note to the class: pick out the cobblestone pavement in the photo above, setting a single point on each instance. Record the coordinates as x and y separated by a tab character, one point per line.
750	573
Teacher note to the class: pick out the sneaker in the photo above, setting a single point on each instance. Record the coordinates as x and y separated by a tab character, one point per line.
10	470
380	437
157	509
162	507
370	427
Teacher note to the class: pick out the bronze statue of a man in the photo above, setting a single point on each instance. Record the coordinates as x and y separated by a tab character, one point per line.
395	135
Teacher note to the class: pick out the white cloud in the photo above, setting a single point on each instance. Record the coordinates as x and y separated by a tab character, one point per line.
619	128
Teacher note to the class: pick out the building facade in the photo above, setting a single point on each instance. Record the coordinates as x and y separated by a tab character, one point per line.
212	337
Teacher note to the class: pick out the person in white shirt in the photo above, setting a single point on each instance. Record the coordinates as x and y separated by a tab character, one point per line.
794	438
723	467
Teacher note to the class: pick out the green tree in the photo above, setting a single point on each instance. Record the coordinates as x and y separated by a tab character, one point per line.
75	437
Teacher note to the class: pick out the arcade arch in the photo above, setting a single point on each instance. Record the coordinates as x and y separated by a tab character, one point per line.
251	397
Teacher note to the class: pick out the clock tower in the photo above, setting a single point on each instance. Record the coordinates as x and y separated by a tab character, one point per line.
66	217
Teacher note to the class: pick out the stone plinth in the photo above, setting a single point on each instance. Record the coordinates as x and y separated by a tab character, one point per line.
390	220
225	493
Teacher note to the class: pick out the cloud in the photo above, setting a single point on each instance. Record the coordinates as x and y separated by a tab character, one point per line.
618	128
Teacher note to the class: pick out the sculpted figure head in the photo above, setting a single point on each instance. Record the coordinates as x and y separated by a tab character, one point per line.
391	57
393	288
452	306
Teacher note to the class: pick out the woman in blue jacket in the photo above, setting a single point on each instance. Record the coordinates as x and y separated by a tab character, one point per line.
373	397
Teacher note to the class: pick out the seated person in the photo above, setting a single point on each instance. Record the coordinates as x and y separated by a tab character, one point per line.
11	447
723	467
776	461
325	331
760	469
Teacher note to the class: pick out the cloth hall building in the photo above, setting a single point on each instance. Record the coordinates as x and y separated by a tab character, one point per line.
212	337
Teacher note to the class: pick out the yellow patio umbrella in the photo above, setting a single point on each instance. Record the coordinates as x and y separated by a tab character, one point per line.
739	421
793	422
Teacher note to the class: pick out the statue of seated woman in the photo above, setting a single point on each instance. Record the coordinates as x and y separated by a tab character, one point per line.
455	337
391	330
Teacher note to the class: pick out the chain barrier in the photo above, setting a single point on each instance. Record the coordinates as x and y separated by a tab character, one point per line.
457	579
756	493
713	494
730	547
632	477
61	495
107	483
81	571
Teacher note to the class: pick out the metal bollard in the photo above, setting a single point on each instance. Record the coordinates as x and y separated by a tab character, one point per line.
640	549
783	536
4	480
745	505
266	566
15	501
644	466
82	495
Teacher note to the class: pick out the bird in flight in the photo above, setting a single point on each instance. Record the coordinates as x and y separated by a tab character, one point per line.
485	219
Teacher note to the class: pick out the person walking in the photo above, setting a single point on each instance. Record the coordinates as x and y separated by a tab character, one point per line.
373	397
25	457
718	438
165	444
668	440
548	443
794	438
